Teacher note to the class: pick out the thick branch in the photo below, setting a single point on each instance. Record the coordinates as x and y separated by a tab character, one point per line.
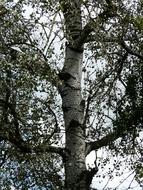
105	141
49	149
43	148
9	131
26	148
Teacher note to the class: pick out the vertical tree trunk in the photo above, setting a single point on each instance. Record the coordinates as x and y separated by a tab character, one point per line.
72	102
73	110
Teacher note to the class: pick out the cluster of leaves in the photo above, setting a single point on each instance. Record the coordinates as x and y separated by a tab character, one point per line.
31	100
114	81
113	71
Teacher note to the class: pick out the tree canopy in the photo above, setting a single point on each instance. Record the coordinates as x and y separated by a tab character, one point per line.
37	40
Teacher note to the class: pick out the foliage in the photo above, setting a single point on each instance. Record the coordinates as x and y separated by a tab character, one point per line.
32	48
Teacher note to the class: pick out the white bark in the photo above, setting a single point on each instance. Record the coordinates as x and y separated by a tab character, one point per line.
73	116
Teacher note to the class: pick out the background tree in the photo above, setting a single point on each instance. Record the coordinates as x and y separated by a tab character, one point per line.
71	83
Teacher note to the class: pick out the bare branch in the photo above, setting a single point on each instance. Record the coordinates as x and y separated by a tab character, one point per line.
56	125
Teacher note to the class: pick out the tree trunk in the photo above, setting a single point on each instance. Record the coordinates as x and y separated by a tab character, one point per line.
72	102
73	109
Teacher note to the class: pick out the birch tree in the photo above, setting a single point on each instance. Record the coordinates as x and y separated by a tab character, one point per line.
71	83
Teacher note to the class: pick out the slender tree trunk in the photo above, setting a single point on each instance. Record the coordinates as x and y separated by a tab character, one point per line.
72	102
73	110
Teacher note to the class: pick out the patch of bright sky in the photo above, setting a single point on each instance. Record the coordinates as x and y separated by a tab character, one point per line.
113	181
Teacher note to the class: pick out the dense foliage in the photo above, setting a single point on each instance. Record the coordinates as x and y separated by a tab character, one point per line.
32	49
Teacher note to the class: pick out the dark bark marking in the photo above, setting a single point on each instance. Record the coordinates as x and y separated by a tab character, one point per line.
65	76
82	104
75	126
66	108
74	123
74	48
87	175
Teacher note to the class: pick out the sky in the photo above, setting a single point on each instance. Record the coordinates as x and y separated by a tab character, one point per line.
116	182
